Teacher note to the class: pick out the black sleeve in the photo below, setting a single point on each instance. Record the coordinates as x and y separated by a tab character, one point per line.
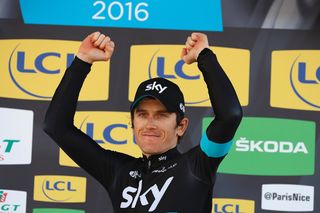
59	126
224	100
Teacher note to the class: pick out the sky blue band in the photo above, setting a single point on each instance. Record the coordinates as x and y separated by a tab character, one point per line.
212	149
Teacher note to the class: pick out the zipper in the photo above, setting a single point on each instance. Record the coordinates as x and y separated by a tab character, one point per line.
149	164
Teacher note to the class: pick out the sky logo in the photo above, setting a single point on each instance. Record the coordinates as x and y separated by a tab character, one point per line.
113	133
33	69
295	80
149	61
61	189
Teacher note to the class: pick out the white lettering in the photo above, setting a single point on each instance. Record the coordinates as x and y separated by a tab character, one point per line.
256	145
244	145
127	196
286	147
137	195
271	146
155	86
157	194
300	147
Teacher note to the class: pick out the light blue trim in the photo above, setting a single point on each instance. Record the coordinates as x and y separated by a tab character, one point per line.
212	149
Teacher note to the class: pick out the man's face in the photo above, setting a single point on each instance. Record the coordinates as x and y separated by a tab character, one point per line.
155	128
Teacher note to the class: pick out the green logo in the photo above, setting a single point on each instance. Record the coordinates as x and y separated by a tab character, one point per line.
57	211
10	143
270	146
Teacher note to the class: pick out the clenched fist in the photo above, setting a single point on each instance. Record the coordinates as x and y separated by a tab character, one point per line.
194	45
96	47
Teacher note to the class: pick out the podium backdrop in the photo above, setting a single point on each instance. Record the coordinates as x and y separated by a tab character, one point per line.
269	49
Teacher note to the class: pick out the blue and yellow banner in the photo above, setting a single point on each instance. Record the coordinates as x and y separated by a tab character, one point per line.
111	130
60	189
149	61
32	69
295	79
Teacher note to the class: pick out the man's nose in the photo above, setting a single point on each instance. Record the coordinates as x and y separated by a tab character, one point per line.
151	122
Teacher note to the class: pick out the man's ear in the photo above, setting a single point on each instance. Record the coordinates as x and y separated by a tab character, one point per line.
182	126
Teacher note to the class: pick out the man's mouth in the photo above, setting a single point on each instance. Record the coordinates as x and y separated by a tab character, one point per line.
148	134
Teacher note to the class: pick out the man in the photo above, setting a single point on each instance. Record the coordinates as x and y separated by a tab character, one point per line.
162	180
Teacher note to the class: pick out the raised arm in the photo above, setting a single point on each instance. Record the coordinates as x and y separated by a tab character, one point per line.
58	122
227	109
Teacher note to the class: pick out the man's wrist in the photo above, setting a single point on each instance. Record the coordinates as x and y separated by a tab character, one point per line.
203	52
84	58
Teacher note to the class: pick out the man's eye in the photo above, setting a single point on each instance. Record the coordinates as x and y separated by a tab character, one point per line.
164	115
142	114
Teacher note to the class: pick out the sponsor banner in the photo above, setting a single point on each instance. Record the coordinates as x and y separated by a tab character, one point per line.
223	205
111	130
12	201
271	146
148	14
149	61
295	80
60	189
287	197
16	129
32	70
54	210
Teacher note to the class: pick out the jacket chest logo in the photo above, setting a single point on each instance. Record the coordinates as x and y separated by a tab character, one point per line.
132	196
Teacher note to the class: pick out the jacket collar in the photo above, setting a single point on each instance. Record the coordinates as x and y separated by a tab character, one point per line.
154	160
